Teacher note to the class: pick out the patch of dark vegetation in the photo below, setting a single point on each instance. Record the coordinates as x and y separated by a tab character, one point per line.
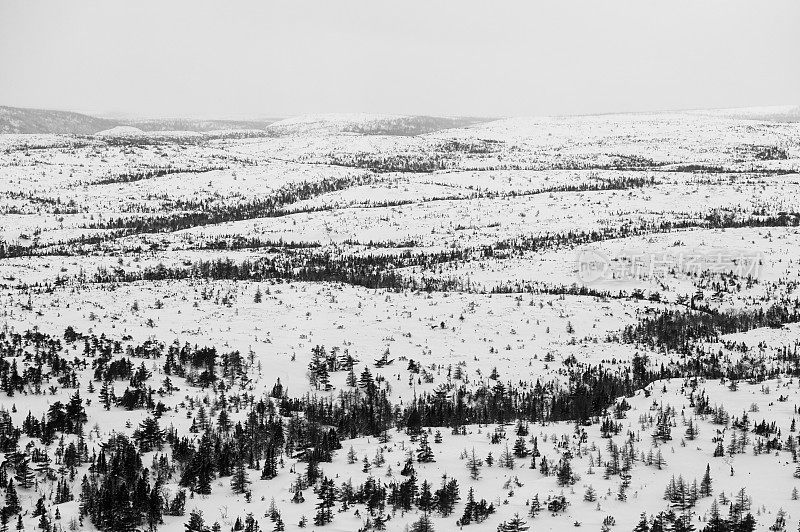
154	172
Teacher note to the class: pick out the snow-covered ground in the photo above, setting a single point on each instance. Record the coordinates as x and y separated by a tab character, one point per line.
544	243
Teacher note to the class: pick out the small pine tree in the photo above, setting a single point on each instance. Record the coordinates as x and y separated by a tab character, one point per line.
515	524
658	460
507	459
424	453
474	464
520	450
719	451
536	506
692	430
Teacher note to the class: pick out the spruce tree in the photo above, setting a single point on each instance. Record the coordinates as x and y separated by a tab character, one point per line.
196	522
423	524
105	395
564	473
719	451
425	499
24	474
469	509
520	450
12	499
642	525
536	506
705	484
507	459
515	524
424	453
270	464
474	464
239	481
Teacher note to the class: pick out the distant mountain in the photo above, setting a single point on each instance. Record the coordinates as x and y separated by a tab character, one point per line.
45	121
21	120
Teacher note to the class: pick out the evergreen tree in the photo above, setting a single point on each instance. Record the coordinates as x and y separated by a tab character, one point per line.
692	430
507	459
239	481
642	525
564	474
719	451
705	484
520	450
149	436
446	496
105	395
425	499
327	496
423	524
469	509
196	522
155	507
270	464
515	524
12	499
474	464
424	453
24	474
535	507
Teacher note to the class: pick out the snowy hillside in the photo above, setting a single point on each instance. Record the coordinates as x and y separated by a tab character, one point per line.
380	322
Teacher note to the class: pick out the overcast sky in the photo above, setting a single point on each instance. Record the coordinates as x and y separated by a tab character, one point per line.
263	58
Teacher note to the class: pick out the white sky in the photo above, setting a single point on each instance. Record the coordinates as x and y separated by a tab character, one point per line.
260	58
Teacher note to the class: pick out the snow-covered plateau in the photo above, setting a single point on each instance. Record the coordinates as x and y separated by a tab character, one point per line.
380	322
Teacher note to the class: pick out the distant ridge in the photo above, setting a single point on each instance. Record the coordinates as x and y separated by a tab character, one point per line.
22	120
47	121
783	113
368	124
